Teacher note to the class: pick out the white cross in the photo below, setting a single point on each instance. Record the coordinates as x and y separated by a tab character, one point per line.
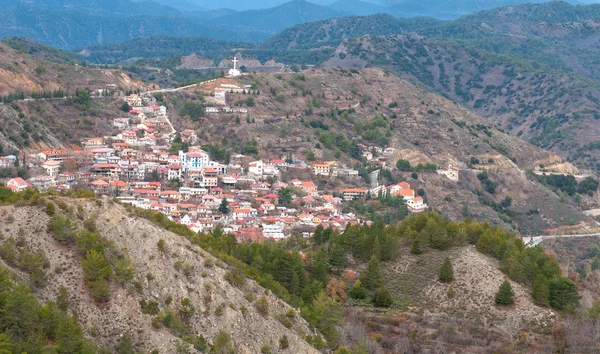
235	63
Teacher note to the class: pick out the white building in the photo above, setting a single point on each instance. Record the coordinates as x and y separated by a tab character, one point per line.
256	168
193	160
220	96
274	231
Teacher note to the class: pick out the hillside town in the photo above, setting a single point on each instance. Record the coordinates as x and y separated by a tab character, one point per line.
146	166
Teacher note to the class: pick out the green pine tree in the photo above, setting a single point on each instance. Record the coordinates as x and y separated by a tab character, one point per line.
319	269
505	294
224	207
540	291
338	260
125	345
416	247
371	278
563	293
446	273
376	250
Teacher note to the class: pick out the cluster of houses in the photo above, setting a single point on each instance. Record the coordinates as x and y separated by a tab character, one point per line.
247	198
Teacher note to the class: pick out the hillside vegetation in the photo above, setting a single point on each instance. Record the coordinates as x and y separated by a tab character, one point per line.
551	109
126	278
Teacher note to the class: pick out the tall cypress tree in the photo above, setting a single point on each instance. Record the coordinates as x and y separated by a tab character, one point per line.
446	273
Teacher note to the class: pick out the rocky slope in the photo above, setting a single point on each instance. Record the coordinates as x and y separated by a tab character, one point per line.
181	271
552	109
25	73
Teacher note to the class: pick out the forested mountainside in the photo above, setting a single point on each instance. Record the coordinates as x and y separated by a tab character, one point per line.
71	30
322	113
117	8
557	34
552	109
70	27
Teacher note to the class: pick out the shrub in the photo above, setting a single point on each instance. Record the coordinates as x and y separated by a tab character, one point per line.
284	342
357	291
100	291
223	344
161	246
149	307
291	313
262	306
382	297
265	349
62	229
450	292
50	208
235	277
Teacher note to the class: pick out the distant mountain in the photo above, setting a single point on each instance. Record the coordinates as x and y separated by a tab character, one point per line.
41	51
245	5
97	7
455	8
160	47
72	29
275	19
358	7
181	5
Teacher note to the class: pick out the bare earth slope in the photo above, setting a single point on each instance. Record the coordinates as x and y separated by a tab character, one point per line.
25	73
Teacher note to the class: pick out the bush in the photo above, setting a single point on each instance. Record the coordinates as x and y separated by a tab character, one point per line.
50	208
62	229
100	291
284	342
262	306
236	277
265	349
382	297
357	291
149	307
505	294
223	344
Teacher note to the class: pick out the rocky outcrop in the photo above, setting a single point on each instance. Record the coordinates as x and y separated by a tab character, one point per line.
193	61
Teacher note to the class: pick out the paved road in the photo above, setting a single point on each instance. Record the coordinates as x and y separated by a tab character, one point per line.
536	240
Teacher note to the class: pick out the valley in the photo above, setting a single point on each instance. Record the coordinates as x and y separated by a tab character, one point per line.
299	177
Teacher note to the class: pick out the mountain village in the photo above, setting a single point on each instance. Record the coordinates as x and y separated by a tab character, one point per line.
251	199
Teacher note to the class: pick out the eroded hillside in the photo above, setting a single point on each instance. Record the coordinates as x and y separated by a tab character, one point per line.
170	275
25	73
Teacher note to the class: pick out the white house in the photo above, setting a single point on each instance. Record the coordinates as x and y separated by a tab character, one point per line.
193	160
256	168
